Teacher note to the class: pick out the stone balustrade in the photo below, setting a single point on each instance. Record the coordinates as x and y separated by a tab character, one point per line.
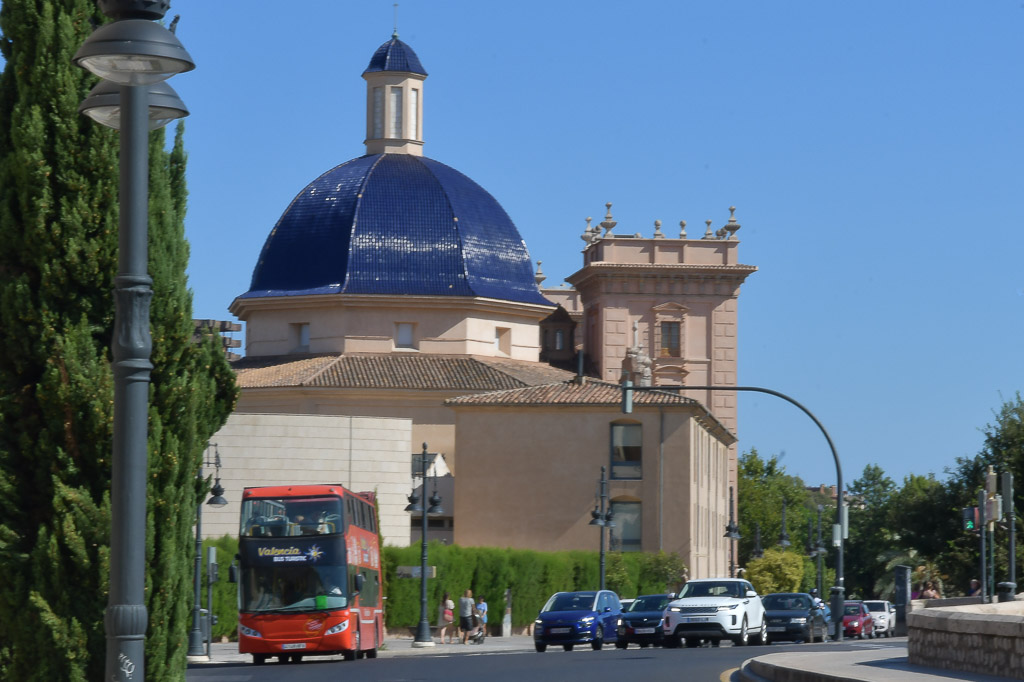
966	635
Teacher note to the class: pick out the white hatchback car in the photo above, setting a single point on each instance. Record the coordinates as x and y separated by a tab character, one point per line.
884	615
713	610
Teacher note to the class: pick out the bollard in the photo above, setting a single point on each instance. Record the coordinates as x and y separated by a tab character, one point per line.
901	599
1006	591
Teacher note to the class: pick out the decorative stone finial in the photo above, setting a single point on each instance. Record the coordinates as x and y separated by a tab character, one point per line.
708	234
682	229
658	234
586	236
539	277
608	224
732	225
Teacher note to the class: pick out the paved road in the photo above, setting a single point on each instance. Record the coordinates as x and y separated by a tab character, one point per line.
515	659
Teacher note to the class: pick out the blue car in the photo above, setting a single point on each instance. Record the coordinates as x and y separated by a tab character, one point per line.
571	618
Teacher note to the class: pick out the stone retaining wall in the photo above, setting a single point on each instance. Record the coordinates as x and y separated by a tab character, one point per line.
979	638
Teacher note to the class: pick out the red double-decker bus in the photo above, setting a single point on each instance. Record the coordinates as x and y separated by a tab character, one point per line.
309	578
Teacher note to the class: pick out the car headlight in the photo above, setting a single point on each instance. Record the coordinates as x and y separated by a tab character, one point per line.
677	609
797	620
249	632
587	620
727	607
340	627
538	622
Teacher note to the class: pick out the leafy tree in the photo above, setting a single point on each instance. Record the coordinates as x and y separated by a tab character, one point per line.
870	506
776	571
58	224
763	486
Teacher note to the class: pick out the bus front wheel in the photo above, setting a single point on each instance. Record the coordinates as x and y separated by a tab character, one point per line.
351	654
259	659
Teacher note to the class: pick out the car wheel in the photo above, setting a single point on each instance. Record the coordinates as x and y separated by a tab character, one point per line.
762	634
622	643
541	648
597	643
642	645
671	642
743	638
259	659
692	642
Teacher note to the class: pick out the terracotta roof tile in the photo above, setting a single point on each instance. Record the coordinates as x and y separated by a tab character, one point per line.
592	392
395	371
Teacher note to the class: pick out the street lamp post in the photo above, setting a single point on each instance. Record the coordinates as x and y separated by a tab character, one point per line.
423	638
821	551
602	517
628	389
732	531
196	651
134	53
758	552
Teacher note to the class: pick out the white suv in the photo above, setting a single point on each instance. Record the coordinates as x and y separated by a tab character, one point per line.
715	609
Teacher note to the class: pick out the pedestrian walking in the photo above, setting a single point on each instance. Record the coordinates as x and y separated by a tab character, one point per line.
445	617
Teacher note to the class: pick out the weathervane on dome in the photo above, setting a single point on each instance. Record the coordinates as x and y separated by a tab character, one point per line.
394	34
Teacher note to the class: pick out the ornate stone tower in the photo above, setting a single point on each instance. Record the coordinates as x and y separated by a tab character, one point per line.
673	300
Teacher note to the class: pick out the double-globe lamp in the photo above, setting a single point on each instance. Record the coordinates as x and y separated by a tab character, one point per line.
135	55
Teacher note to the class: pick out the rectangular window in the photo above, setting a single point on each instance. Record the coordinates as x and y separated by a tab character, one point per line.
503	340
559	339
378	113
670	340
404	335
414	115
395	122
626	534
300	337
627	441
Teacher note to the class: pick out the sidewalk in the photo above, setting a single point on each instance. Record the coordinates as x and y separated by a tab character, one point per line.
393	647
871	665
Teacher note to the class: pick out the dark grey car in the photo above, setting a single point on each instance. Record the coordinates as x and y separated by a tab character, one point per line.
794	616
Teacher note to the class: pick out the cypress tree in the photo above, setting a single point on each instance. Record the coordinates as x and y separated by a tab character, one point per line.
58	227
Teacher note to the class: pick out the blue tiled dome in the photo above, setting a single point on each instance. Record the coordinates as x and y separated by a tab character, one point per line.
395	55
395	224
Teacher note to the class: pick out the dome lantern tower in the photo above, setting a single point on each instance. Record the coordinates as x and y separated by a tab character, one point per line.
394	100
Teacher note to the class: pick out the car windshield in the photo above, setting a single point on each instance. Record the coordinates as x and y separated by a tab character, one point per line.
656	602
571	601
787	602
875	605
851	610
711	588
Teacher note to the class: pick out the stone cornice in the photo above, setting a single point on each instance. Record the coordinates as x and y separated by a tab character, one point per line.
240	307
737	273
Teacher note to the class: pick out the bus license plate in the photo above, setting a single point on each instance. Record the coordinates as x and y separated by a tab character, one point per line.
294	645
559	631
695	619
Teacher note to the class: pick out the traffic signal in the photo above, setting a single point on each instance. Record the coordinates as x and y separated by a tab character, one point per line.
970	517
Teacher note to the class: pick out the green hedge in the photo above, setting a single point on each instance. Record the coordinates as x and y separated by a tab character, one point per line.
532	577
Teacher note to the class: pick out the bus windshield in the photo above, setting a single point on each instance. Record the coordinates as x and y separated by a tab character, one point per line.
285	587
291	516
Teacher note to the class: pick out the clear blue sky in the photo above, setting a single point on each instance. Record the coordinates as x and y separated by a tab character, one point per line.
873	150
